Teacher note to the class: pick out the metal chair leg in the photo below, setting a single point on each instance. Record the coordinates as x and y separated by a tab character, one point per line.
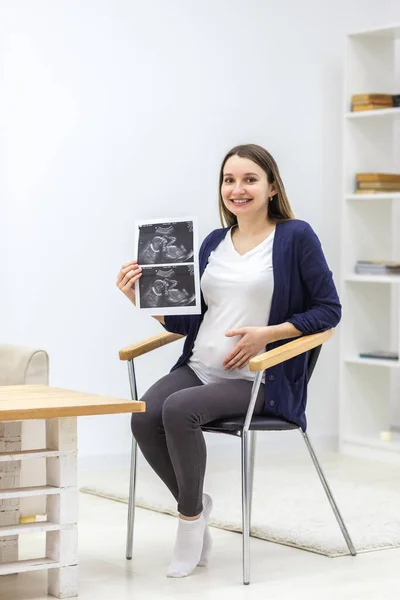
131	500
132	475
245	508
247	476
252	452
330	495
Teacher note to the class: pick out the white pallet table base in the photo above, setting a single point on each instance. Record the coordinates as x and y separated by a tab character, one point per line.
56	405
62	507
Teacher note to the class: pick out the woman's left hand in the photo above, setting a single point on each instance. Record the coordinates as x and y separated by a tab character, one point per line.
252	341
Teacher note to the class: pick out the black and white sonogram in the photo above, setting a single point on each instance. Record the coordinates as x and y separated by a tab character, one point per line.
166	243
167	287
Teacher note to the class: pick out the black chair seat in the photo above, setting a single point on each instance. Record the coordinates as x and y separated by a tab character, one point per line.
258	423
261	423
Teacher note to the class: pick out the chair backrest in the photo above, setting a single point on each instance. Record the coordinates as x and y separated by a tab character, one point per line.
312	360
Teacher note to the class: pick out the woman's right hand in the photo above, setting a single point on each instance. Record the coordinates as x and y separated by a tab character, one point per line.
127	277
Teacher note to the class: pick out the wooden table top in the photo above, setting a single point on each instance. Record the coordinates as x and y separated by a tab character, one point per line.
22	402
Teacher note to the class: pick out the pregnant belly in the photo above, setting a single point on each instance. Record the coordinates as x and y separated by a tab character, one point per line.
212	351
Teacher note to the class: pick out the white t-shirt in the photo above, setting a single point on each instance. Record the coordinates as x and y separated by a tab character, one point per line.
237	290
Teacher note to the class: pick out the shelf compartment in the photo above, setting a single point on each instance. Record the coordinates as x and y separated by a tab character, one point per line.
366	406
369	323
360	218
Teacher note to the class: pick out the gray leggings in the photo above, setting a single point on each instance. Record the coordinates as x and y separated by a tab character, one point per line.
169	432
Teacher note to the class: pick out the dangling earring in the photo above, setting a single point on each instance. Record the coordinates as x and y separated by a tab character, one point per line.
271	198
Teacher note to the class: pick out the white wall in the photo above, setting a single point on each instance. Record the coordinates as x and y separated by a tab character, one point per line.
115	110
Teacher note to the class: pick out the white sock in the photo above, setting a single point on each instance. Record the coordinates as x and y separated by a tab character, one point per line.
207	539
188	545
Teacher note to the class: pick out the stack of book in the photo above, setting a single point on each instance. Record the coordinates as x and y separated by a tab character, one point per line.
360	102
380	354
372	183
377	267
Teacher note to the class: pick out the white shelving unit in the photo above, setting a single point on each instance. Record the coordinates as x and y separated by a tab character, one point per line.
370	388
61	493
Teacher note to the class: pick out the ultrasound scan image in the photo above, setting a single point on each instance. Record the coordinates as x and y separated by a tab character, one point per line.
166	243
167	287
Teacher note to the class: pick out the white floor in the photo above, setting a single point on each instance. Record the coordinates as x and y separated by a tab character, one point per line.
278	572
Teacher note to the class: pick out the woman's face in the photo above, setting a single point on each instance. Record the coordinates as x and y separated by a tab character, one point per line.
245	189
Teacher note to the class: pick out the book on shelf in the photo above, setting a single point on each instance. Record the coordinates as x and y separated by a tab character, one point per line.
366	107
379	185
378	177
380	354
377	267
365	98
376	191
364	102
371	183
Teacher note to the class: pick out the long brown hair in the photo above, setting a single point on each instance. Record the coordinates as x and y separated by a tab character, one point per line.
279	208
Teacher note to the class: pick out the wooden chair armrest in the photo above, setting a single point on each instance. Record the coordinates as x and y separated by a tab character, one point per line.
289	350
147	345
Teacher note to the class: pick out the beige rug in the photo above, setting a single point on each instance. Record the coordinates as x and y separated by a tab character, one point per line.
289	505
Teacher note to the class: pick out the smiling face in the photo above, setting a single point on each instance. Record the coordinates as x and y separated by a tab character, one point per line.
245	190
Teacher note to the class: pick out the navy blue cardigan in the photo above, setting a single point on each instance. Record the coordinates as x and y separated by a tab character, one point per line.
304	295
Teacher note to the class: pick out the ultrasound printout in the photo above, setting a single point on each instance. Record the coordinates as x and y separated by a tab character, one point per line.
166	249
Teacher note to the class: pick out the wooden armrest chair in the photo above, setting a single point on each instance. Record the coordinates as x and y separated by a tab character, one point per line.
244	427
